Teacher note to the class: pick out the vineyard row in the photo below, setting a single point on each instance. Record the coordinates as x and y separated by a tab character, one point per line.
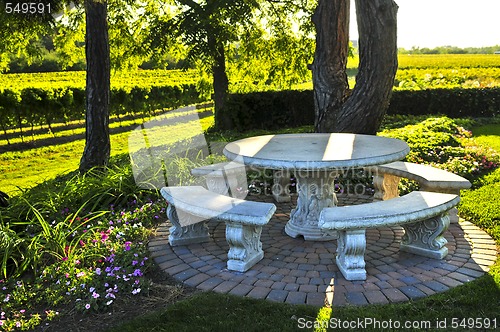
39	106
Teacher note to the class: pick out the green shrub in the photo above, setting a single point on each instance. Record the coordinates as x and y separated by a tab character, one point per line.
442	143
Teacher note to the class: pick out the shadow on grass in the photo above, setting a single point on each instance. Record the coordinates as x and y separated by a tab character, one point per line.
57	140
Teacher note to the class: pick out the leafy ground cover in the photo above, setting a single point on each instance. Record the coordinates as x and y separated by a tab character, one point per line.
75	254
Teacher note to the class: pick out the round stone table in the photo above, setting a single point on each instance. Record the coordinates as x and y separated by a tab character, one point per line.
315	160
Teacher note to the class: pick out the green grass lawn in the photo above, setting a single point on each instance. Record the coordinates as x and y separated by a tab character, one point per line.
488	135
26	168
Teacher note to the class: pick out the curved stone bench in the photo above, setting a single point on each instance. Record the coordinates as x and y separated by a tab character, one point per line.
386	179
190	208
423	215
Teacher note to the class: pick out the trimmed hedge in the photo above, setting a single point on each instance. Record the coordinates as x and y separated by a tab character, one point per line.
269	110
454	103
275	109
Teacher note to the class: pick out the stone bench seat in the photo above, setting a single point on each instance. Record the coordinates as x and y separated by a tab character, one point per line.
230	179
226	178
423	215
191	207
387	176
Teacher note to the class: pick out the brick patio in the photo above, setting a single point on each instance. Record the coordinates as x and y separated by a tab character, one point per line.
304	272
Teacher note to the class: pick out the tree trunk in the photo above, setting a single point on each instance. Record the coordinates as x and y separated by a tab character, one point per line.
221	86
331	20
363	111
97	143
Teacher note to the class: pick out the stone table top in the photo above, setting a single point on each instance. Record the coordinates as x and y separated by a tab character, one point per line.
316	151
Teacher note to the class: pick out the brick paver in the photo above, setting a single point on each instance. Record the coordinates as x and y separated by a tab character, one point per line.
303	272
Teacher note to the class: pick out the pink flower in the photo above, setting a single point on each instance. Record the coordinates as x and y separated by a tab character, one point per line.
104	237
87	306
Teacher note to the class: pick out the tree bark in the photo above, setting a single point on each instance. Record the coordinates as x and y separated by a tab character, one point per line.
363	110
97	142
220	84
331	19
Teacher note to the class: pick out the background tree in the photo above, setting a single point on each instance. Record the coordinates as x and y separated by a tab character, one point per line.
97	143
260	43
21	33
207	28
361	110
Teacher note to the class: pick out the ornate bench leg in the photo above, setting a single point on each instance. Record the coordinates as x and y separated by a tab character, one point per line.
386	186
245	248
233	184
237	183
351	254
425	238
281	186
217	184
194	231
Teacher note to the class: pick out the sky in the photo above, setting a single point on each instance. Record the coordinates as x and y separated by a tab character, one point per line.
432	23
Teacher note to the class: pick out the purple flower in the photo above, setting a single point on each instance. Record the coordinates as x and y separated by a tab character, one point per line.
134	263
137	273
127	245
87	306
98	271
